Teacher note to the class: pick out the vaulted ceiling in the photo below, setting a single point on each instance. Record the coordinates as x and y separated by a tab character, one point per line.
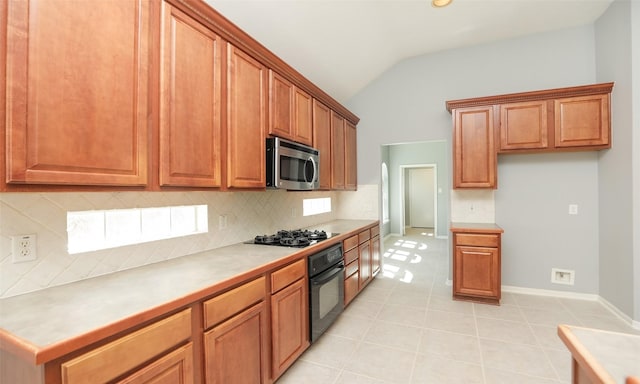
342	45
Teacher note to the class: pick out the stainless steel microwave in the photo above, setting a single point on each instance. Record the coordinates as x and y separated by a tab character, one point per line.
291	165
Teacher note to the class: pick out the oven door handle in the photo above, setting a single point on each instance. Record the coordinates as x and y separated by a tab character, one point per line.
327	276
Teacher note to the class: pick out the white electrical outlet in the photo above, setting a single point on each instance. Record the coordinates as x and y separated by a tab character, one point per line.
562	276
573	209
23	248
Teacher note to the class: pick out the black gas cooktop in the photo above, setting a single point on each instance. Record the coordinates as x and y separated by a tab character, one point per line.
292	238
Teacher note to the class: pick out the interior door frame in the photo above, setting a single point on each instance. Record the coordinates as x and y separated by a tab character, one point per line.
403	219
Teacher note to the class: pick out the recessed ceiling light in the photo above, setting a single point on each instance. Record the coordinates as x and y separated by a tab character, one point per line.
440	3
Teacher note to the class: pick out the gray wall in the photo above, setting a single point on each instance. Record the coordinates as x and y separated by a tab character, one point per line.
407	104
435	152
614	49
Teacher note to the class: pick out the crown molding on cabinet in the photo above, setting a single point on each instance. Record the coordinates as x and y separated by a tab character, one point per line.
233	34
583	90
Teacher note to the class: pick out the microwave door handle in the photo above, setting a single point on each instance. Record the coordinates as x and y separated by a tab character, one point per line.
313	177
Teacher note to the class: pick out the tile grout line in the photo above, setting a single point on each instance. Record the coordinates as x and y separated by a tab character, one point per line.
475	321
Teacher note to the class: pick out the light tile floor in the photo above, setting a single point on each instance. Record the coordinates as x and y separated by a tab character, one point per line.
405	328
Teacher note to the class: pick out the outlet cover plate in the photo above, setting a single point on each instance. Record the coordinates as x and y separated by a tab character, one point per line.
563	276
23	248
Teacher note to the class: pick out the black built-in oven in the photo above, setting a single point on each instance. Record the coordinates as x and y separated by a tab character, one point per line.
326	289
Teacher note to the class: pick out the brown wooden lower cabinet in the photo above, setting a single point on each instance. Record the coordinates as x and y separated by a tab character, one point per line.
236	335
117	358
251	333
362	261
289	316
476	263
174	368
235	351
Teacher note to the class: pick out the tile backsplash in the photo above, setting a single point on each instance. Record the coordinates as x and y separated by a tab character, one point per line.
248	214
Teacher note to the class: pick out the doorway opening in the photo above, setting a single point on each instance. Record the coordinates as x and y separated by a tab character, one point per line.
419	198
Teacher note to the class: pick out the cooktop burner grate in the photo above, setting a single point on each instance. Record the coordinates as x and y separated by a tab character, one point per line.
292	238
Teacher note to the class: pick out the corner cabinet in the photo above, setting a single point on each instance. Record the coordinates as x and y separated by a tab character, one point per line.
563	119
476	262
78	119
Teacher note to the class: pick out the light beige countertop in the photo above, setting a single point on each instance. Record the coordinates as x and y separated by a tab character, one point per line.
41	323
603	356
476	227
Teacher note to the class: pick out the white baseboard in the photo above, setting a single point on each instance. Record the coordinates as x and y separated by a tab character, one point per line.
623	316
574	295
549	292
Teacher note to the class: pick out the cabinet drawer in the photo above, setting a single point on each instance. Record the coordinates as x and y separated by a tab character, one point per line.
474	239
287	275
114	359
350	243
351	256
351	268
375	231
364	236
228	304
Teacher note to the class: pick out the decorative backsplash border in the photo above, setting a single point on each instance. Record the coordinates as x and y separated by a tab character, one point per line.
248	214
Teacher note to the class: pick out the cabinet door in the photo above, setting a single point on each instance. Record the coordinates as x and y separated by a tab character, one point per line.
477	272
235	351
322	141
351	285
337	151
351	166
523	125
289	325
190	120
174	368
77	86
302	121
474	159
280	106
582	121
364	251
375	255
247	120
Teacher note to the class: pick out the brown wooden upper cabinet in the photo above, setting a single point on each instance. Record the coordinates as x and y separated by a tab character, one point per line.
191	96
475	157
246	120
337	152
322	141
351	155
523	125
573	118
290	110
163	94
78	118
582	121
